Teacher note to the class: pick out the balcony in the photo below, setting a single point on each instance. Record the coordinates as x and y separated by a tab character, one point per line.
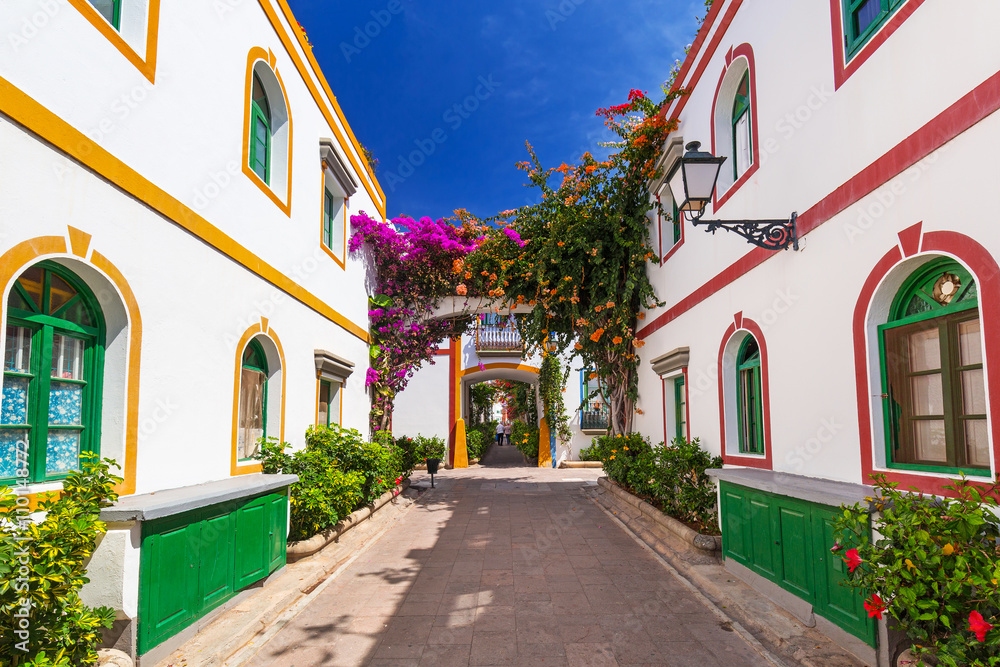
594	418
497	336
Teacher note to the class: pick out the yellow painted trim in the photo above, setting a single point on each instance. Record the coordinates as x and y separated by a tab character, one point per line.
461	446
259	54
376	193
322	212
145	64
79	242
235	466
504	365
340	394
29	252
318	383
543	437
36	118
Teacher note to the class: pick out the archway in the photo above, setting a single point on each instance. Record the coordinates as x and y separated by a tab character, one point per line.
513	385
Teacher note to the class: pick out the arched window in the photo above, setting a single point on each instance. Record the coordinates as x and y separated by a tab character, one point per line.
749	398
260	144
742	135
933	385
53	367
252	419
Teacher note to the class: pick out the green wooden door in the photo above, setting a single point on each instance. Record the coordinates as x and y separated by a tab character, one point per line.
170	584
766	548
834	601
193	562
215	560
794	519
788	542
252	543
735	526
278	538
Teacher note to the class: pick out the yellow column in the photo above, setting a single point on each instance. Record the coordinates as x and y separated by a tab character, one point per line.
544	452
461	450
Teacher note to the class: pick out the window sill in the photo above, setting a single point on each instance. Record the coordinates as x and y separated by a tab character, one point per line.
938	471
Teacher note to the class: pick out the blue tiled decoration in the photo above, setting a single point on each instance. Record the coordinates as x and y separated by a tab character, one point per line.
8	450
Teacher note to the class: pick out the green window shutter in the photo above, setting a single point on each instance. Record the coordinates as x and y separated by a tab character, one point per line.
328	222
741	128
52	374
680	408
678	221
261	131
749	398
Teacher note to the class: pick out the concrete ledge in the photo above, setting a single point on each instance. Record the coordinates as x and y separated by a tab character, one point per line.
581	464
304	548
812	489
660	531
159	504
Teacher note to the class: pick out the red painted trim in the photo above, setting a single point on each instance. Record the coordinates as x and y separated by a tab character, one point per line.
956	119
842	71
754	329
442	352
984	267
744	51
452	388
727	19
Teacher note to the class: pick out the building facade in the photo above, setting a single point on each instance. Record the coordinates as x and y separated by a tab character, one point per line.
177	180
873	347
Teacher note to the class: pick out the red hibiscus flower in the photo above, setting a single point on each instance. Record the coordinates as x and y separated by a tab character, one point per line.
874	606
978	625
853	559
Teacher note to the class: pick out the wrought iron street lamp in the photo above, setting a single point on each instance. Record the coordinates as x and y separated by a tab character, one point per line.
692	182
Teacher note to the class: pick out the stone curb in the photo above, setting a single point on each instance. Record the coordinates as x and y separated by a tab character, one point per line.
304	548
581	464
652	523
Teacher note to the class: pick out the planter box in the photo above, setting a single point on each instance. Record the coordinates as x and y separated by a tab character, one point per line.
666	535
304	548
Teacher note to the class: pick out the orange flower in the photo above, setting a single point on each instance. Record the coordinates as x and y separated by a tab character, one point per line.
578	346
638	343
641	316
461	290
616	340
596	336
592	376
611	304
560	244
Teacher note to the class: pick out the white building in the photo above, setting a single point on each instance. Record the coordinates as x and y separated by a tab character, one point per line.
177	179
873	348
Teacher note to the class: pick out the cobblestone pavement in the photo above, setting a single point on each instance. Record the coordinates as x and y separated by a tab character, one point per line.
506	566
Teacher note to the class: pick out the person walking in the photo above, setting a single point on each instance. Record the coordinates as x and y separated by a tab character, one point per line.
500	432
507	430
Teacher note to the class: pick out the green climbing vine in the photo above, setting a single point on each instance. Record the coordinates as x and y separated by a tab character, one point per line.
551	385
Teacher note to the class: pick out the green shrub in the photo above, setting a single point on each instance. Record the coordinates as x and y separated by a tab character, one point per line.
380	462
407	449
525	438
324	493
61	630
475	444
934	567
590	453
672	478
431	447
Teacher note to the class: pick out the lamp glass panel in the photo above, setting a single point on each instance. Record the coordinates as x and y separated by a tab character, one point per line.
701	177
676	184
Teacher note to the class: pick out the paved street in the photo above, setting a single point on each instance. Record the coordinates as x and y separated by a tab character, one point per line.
505	566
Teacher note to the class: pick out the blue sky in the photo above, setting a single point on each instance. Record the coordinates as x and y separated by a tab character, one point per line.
446	92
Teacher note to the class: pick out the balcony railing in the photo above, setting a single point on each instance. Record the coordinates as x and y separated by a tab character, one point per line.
497	334
594	416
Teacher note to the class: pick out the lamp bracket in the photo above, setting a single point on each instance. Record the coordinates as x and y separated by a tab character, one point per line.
767	234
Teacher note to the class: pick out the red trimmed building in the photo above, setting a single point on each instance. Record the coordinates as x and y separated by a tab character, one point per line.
869	349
